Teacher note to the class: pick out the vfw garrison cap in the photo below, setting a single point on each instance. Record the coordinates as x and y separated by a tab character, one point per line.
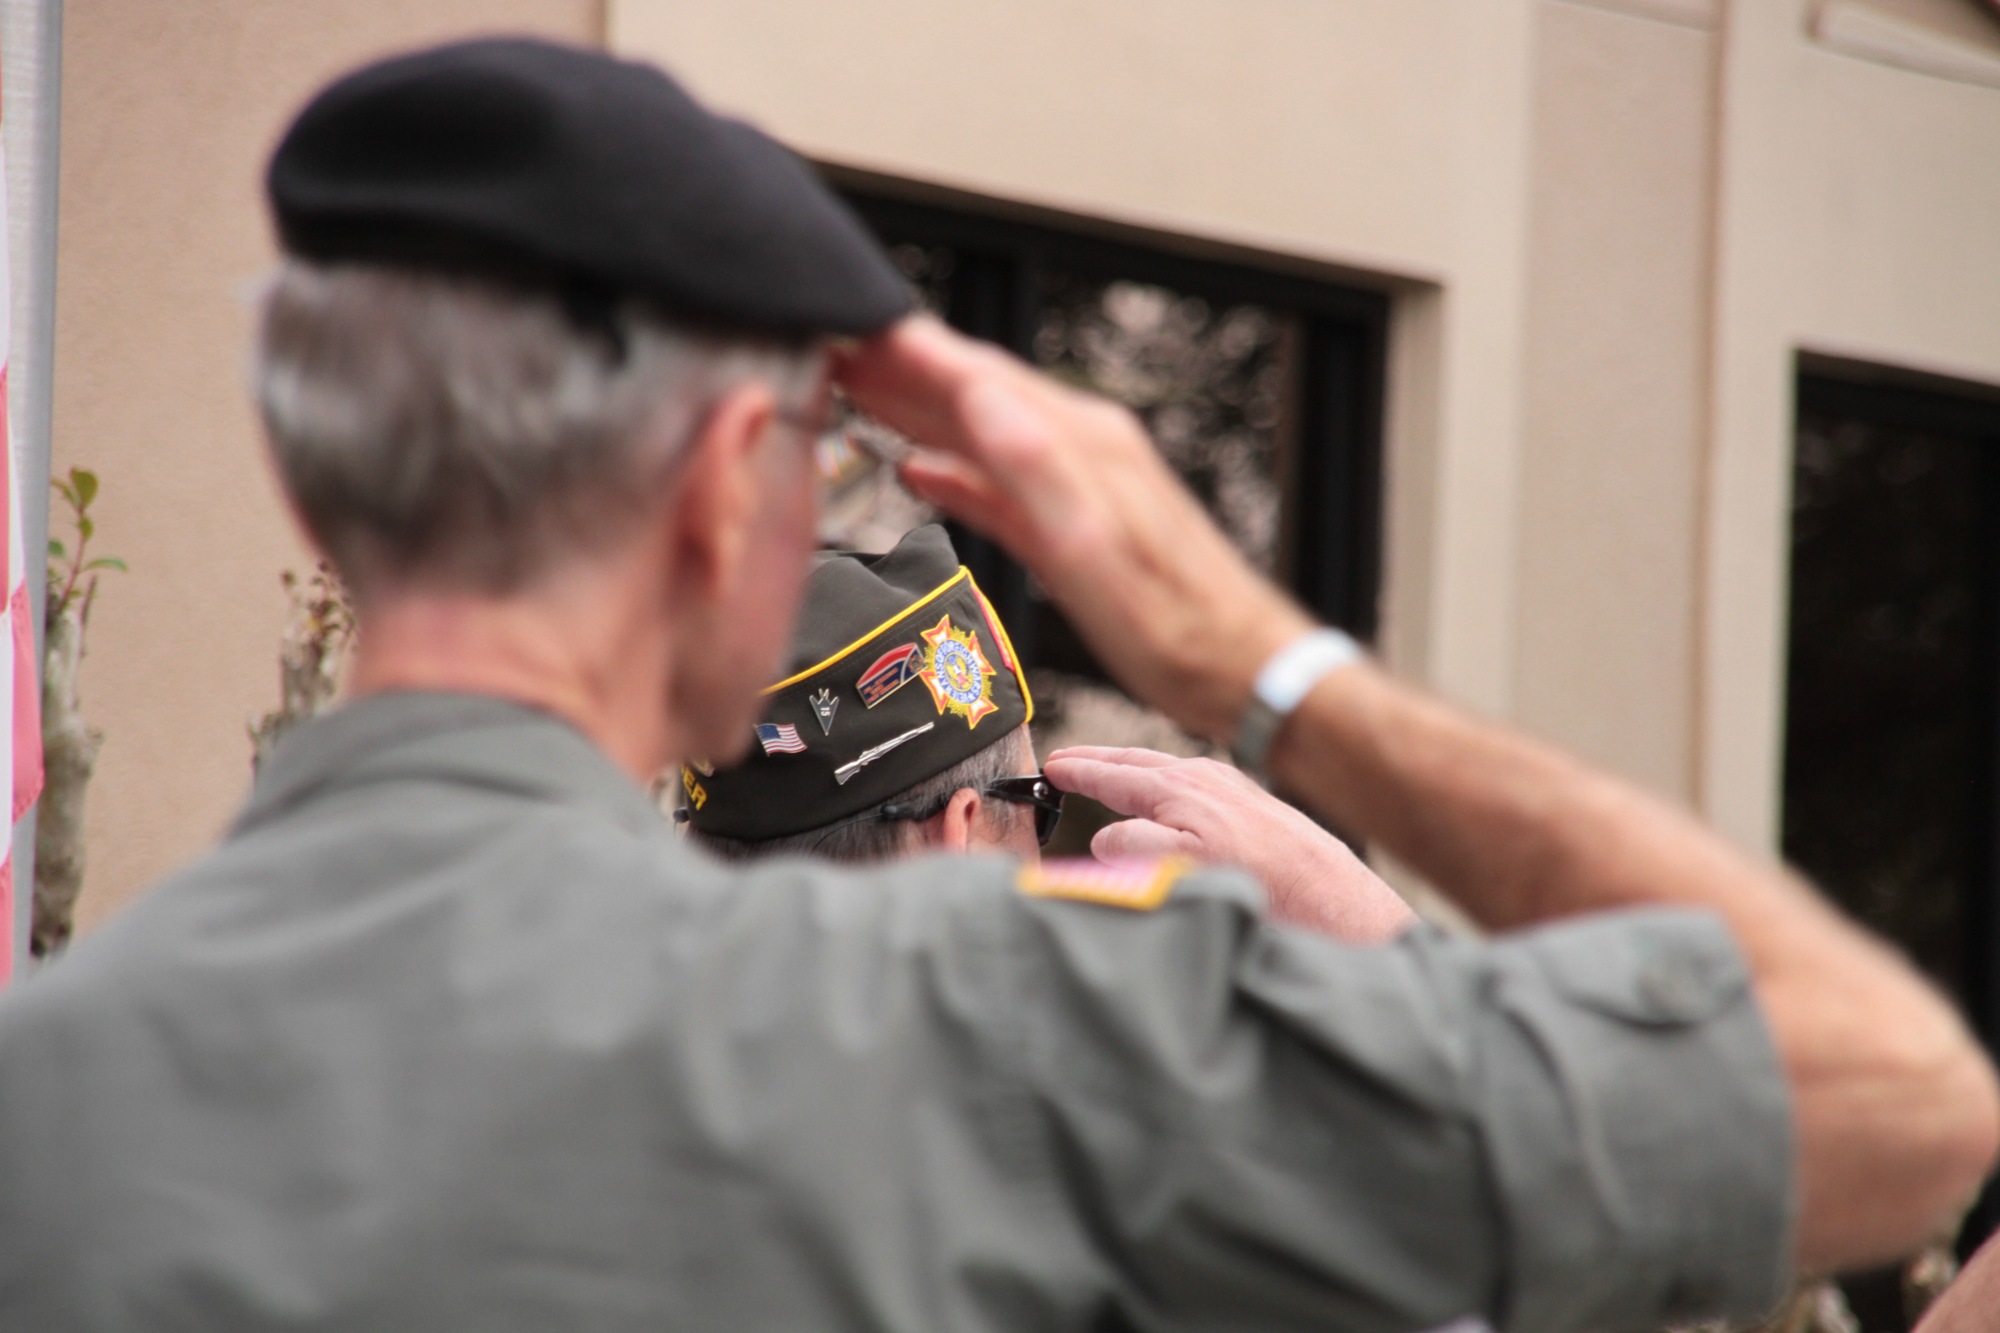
541	162
899	670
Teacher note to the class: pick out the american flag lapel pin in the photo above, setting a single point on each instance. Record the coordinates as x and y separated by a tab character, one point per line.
780	738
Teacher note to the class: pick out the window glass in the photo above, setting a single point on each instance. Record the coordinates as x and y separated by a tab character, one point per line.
1883	702
1892	738
1213	383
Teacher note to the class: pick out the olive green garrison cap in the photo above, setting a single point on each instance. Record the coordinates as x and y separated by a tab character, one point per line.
899	669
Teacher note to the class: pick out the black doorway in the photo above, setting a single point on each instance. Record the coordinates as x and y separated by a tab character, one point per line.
1892	742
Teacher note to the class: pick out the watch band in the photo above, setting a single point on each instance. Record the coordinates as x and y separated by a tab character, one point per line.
1282	685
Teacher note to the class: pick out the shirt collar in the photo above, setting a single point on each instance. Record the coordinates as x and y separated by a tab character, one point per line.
476	740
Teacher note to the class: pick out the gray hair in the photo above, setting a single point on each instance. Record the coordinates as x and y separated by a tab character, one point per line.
434	427
867	839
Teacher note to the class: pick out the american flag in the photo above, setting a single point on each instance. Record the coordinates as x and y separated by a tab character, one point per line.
780	738
20	690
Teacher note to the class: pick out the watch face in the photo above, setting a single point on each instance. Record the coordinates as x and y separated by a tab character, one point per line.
1255	731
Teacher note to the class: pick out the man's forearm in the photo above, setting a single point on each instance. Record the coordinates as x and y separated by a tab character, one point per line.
1895	1108
1514	831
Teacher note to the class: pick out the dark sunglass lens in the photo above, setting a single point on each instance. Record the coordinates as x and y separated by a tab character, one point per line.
1048	812
1039	794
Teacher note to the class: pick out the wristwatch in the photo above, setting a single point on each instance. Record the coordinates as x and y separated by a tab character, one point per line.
1282	685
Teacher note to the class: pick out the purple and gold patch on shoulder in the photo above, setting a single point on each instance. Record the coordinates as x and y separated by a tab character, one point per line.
1138	884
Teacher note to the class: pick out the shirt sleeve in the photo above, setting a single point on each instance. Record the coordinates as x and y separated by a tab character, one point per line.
1577	1127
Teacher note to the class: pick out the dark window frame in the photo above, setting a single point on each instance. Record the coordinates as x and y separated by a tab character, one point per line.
1894	399
1333	528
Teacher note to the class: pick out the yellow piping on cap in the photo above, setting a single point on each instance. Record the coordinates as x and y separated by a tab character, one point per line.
963	574
1007	643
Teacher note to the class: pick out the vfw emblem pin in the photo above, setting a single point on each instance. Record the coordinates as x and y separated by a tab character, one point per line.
958	674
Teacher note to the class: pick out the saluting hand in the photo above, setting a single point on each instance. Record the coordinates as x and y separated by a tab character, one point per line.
1214	813
1071	485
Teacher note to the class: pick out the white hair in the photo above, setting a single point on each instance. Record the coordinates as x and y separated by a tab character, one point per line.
437	428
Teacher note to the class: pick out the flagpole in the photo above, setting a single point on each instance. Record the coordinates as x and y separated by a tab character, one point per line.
30	121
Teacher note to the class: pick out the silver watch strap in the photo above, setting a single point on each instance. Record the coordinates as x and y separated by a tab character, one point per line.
1282	685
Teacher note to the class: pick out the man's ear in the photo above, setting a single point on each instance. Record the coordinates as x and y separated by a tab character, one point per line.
716	487
954	825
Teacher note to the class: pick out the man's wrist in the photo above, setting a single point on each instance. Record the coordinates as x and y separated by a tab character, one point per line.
1282	685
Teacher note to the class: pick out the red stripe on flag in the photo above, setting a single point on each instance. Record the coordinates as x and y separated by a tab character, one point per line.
27	706
14	684
6	919
6	476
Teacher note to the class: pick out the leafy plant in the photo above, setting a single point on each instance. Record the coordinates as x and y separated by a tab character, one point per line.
73	574
69	743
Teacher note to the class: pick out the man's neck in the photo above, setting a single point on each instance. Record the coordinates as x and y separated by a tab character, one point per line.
546	651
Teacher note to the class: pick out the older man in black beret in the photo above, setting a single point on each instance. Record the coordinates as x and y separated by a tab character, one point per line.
451	1032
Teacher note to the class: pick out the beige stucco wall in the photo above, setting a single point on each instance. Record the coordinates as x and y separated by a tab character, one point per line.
168	111
1618	268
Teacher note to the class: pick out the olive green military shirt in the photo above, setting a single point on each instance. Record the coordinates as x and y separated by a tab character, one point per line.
452	1034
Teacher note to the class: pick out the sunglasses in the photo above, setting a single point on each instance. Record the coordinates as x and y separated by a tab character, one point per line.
1036	792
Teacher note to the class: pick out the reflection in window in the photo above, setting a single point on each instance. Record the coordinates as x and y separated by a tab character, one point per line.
928	267
1211	384
1892	729
1882	709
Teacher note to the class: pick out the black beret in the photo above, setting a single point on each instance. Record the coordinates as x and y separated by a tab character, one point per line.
899	670
552	164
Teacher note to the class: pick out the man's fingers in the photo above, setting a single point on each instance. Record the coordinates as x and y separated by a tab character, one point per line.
918	360
919	378
1117	754
1142	837
1125	788
905	380
947	391
1188	775
961	490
